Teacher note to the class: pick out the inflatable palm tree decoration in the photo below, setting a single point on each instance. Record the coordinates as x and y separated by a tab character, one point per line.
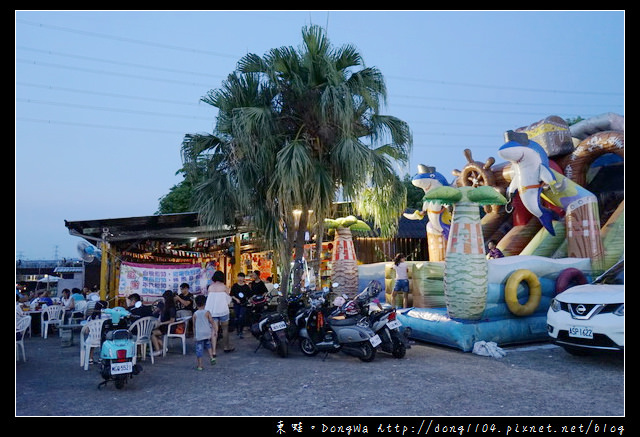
465	271
344	262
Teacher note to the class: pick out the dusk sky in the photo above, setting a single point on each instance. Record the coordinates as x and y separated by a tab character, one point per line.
104	98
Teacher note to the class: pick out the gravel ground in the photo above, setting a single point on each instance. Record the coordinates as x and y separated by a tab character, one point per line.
431	381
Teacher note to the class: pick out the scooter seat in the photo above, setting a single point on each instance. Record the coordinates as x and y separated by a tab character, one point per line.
342	321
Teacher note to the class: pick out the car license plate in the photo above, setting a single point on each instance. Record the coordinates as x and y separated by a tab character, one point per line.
581	332
375	340
278	326
393	324
119	368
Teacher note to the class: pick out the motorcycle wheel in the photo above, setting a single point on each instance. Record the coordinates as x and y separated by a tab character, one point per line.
399	348
119	381
307	347
399	351
369	352
283	348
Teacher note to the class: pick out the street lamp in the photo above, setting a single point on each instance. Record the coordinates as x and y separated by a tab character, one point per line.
296	218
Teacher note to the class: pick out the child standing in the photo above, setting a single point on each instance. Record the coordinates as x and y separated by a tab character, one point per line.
402	280
203	329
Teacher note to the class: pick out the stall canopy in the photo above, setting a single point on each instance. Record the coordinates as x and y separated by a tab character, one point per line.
176	227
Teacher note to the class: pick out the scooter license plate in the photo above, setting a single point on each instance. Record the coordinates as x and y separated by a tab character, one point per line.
393	324
375	340
119	368
279	326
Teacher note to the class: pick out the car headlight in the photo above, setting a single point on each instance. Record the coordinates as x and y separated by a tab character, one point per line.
555	305
619	311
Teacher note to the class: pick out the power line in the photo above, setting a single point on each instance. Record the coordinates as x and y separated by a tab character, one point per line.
98	108
182	49
206	52
88	70
128	40
99	126
476	85
105	94
126	64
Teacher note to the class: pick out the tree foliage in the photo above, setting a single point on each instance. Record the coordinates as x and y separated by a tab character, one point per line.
296	128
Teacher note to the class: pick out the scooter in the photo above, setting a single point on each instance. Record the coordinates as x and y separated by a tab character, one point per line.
271	332
117	349
256	306
321	331
272	329
382	319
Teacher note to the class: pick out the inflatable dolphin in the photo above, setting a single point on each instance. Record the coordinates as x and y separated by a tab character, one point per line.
439	216
531	171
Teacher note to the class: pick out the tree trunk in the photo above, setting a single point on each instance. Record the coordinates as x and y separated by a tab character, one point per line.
298	263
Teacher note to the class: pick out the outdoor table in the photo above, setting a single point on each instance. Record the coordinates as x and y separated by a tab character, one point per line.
66	333
35	320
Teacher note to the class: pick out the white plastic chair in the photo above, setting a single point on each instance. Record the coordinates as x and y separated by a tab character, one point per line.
55	316
90	337
79	311
172	326
22	324
143	328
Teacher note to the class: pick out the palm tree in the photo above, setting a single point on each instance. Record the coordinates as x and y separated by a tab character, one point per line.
294	127
344	270
465	270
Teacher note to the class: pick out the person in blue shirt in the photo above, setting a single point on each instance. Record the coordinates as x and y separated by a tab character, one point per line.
76	296
44	298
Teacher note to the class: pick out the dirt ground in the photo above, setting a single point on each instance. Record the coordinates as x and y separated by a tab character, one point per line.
538	380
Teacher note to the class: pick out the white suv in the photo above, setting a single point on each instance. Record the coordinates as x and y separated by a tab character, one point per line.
590	317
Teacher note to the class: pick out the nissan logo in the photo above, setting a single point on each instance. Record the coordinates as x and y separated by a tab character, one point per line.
581	309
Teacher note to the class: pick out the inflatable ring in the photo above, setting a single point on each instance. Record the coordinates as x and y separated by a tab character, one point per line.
569	276
511	292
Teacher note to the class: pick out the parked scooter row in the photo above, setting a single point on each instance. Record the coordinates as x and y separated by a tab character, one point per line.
323	329
381	319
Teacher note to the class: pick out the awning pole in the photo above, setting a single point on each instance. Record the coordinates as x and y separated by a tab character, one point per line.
104	267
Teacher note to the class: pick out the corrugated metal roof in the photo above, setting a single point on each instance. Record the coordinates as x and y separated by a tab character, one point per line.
182	226
68	269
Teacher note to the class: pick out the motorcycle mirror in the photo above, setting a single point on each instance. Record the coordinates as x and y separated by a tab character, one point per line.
138	304
276	286
335	284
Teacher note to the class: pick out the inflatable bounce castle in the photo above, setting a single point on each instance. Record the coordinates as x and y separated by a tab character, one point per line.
539	208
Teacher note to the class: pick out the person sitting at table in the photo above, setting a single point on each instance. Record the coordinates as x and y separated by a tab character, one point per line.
66	302
88	294
19	312
65	298
76	296
184	301
21	293
140	310
167	315
44	298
